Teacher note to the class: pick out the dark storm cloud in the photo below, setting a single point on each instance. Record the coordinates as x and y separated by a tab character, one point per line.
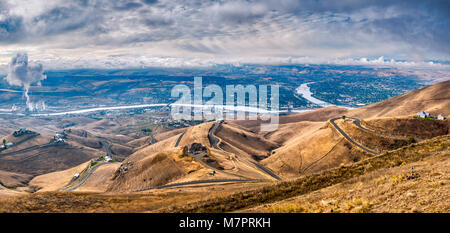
11	28
157	21
150	2
238	12
126	5
60	20
425	25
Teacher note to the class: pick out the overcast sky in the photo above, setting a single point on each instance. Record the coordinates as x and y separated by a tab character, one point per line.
104	33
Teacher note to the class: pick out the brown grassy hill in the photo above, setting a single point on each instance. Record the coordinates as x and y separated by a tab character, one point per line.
164	135
198	133
374	142
251	143
7	194
289	131
154	170
100	180
121	152
88	141
384	190
101	125
313	151
13	179
319	115
89	202
47	159
25	141
434	99
372	185
154	165
142	142
119	146
4	131
54	181
163	163
69	121
36	154
409	127
307	184
317	148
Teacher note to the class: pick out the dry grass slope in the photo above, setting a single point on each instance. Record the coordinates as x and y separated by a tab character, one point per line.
315	150
434	99
383	190
307	184
409	127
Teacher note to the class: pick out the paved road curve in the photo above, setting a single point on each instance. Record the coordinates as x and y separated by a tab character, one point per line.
213	140
22	141
266	170
179	139
347	137
107	146
84	179
31	148
357	122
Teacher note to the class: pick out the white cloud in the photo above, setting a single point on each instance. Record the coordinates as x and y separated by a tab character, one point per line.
86	33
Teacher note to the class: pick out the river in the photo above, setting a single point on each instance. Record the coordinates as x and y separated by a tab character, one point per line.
305	92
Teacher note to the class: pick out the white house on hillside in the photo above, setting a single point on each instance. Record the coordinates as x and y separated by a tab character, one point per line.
441	117
423	114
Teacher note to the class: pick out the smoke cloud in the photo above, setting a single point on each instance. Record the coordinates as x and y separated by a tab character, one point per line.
23	73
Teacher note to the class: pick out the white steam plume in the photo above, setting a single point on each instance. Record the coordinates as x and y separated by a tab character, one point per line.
24	73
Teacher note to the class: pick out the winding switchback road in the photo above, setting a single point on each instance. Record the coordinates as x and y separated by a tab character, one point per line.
71	188
348	137
357	122
214	141
68	187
